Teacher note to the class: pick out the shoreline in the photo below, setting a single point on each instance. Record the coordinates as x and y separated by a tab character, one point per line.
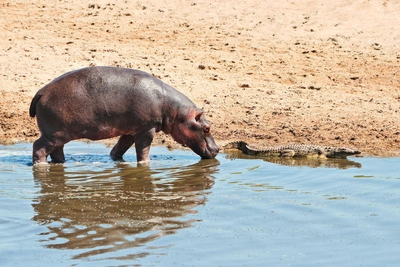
166	141
267	73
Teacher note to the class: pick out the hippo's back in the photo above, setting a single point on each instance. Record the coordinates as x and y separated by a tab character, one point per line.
99	80
92	85
97	98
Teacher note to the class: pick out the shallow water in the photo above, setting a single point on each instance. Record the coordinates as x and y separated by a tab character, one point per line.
231	211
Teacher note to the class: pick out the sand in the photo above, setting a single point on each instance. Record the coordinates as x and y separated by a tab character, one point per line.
267	72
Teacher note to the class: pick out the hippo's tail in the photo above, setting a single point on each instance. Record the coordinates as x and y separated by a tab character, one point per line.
32	108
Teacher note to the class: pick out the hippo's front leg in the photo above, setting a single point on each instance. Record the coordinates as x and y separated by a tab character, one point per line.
142	144
123	144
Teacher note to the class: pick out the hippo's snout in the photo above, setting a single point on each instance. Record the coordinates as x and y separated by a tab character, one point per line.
210	152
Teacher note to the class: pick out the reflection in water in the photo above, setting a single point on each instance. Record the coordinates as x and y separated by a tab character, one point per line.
91	209
119	207
299	161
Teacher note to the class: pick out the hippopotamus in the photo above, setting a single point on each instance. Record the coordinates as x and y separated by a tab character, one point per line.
104	102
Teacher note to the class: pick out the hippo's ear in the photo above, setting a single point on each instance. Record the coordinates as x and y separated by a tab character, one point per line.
198	115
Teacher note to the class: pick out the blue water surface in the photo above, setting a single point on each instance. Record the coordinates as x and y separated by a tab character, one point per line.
183	211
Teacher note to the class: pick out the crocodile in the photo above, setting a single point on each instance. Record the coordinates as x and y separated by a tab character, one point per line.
294	150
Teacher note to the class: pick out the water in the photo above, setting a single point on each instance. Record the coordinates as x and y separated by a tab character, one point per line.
183	211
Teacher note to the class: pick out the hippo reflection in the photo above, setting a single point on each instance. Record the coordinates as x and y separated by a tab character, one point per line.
102	212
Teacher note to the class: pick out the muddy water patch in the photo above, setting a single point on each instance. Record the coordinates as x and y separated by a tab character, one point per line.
235	210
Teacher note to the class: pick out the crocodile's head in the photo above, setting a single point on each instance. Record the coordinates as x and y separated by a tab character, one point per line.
237	145
340	152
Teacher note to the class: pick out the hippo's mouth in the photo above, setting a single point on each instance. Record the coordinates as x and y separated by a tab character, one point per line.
205	150
210	152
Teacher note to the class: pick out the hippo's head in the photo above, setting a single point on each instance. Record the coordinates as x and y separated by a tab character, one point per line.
190	128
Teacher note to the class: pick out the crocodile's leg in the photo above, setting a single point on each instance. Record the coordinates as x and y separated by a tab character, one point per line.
322	154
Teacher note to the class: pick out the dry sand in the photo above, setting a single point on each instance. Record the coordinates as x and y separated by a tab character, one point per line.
268	72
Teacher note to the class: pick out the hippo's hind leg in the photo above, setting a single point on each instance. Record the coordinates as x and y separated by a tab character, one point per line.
43	147
123	144
57	156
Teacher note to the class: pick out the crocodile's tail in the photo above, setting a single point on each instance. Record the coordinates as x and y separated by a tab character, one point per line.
32	108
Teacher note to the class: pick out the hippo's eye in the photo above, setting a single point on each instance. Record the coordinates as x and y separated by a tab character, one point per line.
206	130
